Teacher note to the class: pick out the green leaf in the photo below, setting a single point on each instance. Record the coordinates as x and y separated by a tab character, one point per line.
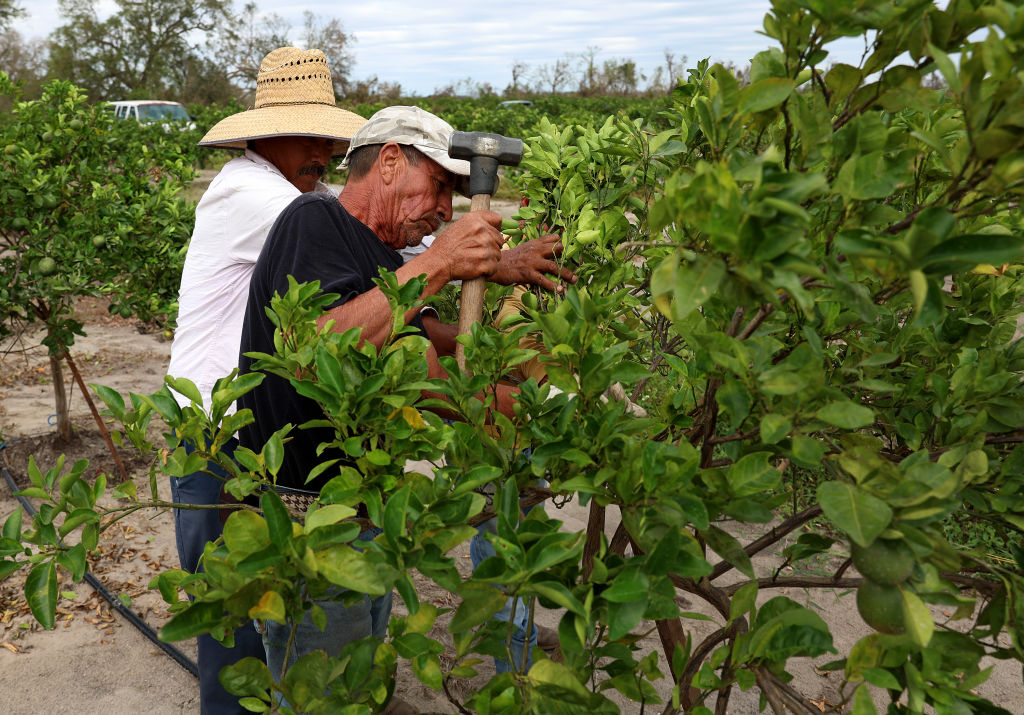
273	453
41	593
781	382
325	515
395	514
737	401
548	672
554	591
726	546
875	175
862	702
248	675
841	81
743	601
479	603
774	428
378	457
917	618
344	566
765	94
245	533
629	586
752	474
269	607
200	617
862	516
807	450
184	387
846	414
882	679
945	66
969	250
679	289
427	669
279	521
12	525
624	617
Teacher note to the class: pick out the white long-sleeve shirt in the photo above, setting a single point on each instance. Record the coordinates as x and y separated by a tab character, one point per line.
233	219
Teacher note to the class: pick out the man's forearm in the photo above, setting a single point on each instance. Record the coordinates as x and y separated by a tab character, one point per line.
371	310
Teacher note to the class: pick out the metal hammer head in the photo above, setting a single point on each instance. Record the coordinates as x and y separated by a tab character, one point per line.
485	153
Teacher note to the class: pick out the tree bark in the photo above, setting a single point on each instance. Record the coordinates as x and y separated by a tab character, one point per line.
60	399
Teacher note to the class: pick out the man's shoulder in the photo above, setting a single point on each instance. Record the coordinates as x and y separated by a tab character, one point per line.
316	207
311	206
254	183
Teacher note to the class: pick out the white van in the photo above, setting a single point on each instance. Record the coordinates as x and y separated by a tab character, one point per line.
146	111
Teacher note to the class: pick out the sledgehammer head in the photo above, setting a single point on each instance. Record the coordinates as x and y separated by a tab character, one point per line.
485	153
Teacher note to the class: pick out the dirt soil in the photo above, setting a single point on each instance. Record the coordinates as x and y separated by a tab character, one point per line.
94	661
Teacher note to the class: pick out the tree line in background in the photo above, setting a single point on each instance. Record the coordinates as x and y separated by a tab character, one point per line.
149	49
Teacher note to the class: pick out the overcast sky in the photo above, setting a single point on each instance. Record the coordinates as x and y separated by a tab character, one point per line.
423	46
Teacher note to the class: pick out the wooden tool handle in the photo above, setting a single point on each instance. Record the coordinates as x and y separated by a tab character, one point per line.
471	308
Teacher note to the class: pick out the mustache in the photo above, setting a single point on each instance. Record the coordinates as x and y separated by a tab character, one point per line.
433	220
317	170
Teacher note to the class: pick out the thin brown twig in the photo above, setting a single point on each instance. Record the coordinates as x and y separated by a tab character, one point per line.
776	533
796	582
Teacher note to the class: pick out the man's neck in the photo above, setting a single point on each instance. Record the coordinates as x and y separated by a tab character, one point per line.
362	200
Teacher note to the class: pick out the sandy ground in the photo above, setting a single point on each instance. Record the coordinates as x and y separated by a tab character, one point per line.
96	662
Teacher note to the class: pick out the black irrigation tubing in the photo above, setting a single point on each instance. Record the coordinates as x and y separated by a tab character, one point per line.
180	658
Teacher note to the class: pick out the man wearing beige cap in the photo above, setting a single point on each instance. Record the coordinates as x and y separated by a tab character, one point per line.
288	139
399	190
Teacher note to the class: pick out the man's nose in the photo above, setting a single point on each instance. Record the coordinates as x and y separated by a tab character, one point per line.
322	151
444	206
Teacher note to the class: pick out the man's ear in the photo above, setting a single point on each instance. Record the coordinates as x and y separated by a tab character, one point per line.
391	161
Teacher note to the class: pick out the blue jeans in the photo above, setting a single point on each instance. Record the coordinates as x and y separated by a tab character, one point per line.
479	550
192	530
345	623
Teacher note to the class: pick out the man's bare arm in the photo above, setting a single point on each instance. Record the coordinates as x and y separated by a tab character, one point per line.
469	248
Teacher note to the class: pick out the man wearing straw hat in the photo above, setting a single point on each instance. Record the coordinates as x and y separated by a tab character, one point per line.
288	138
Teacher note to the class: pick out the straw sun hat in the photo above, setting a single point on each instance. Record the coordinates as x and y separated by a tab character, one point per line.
294	97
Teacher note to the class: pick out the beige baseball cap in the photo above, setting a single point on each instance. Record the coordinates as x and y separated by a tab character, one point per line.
411	126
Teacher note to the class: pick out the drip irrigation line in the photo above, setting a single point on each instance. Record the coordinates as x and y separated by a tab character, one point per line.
180	658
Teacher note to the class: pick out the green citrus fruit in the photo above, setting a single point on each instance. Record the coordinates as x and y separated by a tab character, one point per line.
47	137
19	223
885	561
50	201
46	266
99	241
11	149
76	124
881	607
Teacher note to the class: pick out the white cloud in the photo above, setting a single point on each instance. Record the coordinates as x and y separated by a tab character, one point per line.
424	46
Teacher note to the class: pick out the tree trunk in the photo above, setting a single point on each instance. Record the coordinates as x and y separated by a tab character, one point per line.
60	399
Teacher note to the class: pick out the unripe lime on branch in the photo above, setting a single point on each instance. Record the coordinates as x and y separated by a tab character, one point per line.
46	266
887	562
881	607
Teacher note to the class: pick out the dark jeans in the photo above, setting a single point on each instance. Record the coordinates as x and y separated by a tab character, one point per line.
193	529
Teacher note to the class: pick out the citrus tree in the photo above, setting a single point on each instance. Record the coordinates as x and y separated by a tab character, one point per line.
90	206
811	282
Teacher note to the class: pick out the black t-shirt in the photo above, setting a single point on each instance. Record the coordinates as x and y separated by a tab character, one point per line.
314	238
